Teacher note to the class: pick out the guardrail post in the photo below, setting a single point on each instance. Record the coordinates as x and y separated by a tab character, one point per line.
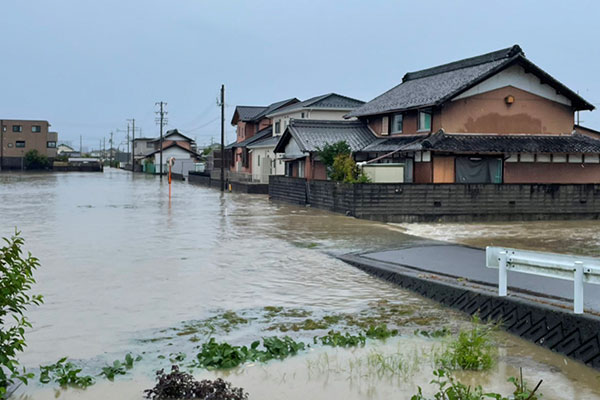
578	288
502	278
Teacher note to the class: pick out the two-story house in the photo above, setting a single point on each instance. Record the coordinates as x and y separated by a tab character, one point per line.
251	124
330	107
18	137
174	145
494	118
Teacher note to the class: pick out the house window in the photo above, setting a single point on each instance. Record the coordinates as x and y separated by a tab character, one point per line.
36	128
302	115
20	143
278	127
17	128
51	145
424	121
396	123
149	145
300	169
258	161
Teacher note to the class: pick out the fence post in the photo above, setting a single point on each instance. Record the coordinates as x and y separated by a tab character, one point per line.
502	278
578	288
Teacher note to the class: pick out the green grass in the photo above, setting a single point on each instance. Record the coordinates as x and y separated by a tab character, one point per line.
471	350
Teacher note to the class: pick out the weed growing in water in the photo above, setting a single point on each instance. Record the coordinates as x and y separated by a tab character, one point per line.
337	339
65	374
472	350
438	333
180	385
451	389
215	355
380	332
119	367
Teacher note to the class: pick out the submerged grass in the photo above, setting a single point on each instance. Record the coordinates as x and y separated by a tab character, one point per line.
473	349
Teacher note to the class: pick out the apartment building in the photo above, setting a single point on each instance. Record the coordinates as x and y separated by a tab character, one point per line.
17	137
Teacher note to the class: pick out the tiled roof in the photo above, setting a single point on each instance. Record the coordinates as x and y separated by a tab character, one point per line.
248	113
486	143
264	133
266	142
275	106
434	86
392	143
313	134
325	101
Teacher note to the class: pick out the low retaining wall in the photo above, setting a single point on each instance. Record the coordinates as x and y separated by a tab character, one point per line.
241	187
575	336
413	202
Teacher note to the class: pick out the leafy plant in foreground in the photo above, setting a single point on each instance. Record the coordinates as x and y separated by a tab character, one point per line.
16	278
451	389
472	350
180	385
119	367
65	374
214	355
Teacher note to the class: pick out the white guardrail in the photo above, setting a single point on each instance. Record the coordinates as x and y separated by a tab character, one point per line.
560	266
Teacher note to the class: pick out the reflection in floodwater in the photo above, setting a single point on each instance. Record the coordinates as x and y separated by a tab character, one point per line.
124	272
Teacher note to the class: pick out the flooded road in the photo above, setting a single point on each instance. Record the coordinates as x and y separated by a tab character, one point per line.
123	269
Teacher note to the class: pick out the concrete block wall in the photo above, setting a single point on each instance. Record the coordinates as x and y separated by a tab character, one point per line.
412	202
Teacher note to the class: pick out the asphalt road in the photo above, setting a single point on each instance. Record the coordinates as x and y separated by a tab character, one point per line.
469	263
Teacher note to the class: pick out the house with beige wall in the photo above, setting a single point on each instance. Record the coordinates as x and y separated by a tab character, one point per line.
493	118
18	137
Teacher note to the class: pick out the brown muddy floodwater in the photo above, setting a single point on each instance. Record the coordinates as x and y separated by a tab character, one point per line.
126	271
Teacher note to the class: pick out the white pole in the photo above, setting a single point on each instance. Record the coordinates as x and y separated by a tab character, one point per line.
502	279
578	288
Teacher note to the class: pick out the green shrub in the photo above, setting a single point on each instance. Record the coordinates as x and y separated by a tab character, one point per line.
16	278
380	332
34	160
329	152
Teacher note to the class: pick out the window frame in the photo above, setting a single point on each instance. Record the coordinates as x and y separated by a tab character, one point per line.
419	127
18	142
278	126
48	144
19	128
393	126
36	128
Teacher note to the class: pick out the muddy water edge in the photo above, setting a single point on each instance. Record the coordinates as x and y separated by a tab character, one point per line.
126	271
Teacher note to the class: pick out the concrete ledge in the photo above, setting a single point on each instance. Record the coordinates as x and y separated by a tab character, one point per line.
575	336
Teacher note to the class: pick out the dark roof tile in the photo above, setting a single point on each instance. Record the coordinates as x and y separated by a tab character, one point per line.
313	134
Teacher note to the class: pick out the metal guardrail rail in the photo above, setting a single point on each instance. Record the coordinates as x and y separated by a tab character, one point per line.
578	269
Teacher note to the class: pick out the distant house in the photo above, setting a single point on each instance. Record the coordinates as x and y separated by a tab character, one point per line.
493	118
66	150
175	145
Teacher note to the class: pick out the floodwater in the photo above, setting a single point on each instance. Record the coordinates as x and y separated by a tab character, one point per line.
123	269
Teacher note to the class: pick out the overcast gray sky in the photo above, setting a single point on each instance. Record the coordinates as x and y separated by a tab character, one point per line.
86	66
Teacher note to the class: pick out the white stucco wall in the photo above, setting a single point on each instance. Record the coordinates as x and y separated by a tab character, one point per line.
284	119
517	77
174	151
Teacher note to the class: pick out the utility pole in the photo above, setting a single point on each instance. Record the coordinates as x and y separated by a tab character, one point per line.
111	149
80	146
103	149
132	142
161	120
222	138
